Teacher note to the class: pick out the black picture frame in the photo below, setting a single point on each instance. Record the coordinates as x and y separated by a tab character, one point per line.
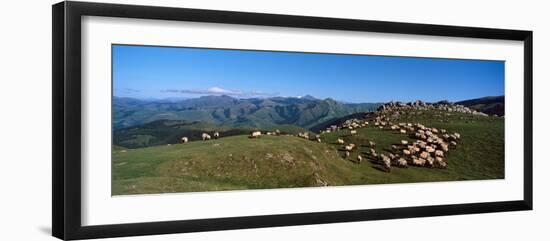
66	75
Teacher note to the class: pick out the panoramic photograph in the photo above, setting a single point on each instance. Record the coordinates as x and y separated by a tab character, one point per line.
198	119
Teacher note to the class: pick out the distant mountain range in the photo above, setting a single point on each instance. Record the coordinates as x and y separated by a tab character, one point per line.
491	105
140	123
304	112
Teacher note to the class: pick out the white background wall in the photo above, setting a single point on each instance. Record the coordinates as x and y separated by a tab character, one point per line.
25	119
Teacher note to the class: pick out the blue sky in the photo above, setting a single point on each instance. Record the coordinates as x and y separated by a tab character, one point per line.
168	72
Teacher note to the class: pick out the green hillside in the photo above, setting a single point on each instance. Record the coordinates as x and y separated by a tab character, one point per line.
238	162
229	163
162	132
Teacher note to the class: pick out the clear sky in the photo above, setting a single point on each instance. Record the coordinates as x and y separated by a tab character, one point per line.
166	72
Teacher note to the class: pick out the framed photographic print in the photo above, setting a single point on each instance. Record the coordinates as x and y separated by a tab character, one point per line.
170	120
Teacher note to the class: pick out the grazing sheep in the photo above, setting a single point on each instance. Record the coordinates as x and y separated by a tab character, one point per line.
353	132
184	139
401	162
340	141
205	137
319	140
304	135
402	131
440	163
386	162
419	161
394	147
453	137
216	135
347	154
430	161
439	153
372	144
422	144
424	155
404	142
348	147
406	152
457	135
373	152
453	144
359	158
277	132
255	134
430	149
444	147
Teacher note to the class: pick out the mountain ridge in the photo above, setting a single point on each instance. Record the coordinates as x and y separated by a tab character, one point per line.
226	110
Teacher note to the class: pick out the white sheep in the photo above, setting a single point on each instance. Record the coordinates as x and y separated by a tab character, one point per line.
184	140
424	155
255	134
419	161
353	132
372	144
216	135
430	149
386	161
340	141
440	163
205	137
401	162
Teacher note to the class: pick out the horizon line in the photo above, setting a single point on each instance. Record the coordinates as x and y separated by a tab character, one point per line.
296	97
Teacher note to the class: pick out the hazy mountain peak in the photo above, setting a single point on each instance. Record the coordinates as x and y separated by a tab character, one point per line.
309	97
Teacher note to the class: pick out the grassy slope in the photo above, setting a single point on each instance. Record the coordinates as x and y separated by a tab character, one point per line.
479	154
284	161
229	163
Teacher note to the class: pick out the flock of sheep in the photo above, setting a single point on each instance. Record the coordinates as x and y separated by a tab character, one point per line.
420	105
429	148
205	137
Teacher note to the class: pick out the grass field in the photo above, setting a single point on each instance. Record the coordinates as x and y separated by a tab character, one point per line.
237	162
